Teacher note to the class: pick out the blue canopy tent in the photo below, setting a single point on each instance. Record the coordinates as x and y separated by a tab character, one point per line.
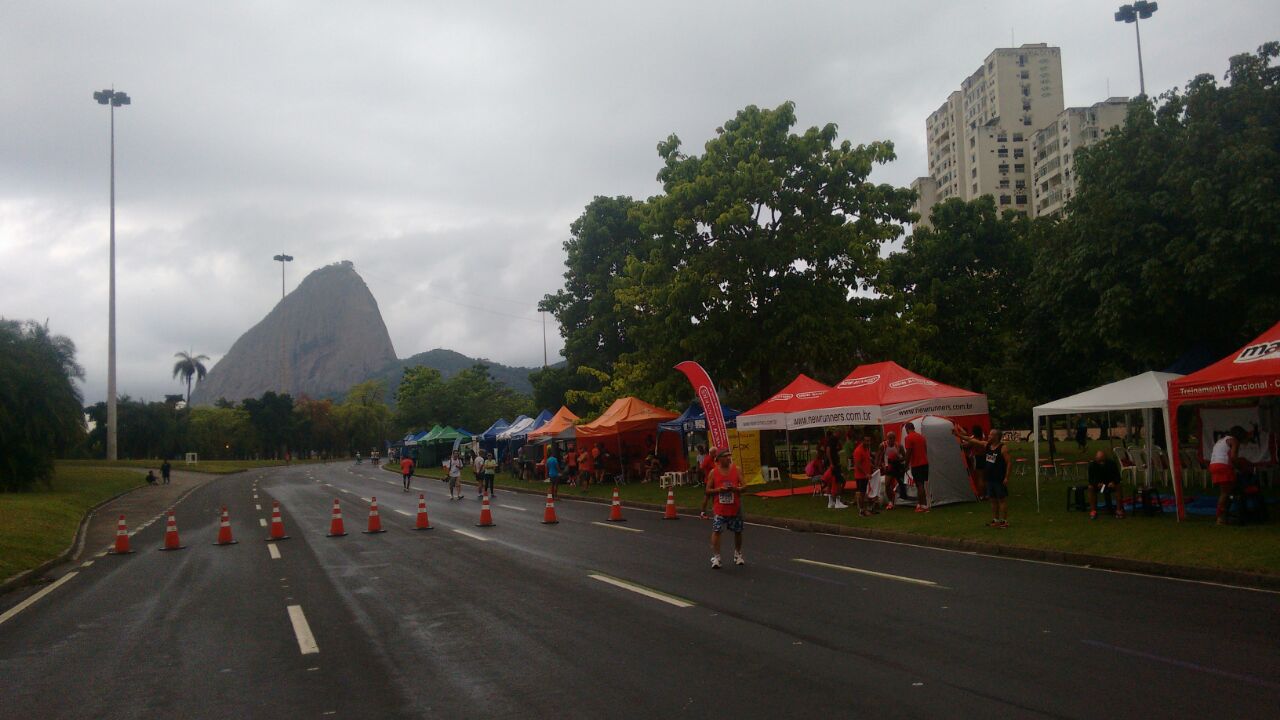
694	419
515	436
489	438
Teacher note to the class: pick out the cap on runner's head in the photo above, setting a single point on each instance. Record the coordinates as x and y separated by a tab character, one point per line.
724	453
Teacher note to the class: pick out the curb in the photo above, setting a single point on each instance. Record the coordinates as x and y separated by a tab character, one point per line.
1059	557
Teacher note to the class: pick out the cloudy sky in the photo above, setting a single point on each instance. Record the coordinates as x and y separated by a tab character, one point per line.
445	147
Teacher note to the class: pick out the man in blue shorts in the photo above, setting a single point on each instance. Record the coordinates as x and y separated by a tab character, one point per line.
724	485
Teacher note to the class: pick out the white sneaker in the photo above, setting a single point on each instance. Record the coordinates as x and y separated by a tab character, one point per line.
830	502
715	562
839	505
738	559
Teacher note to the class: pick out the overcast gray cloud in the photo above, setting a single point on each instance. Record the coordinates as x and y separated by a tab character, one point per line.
444	148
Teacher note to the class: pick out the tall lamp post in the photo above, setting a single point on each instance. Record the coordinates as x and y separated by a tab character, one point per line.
1141	10
113	99
282	259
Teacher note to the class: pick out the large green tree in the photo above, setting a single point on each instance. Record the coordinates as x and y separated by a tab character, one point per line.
364	416
189	366
762	250
40	406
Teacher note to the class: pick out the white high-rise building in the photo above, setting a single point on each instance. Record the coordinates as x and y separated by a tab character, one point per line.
1053	149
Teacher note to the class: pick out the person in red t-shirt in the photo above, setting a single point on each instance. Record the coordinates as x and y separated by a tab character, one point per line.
725	484
918	459
862	474
406	471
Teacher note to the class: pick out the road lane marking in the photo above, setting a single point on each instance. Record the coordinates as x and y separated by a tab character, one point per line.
471	535
306	641
872	573
1184	664
255	496
613	526
642	590
11	612
514	507
274	551
262	522
405	513
86	563
257	506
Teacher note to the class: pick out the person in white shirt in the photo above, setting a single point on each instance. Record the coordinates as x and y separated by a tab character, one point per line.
455	476
1222	468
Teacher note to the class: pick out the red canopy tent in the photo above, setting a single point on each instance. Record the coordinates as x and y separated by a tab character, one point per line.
885	393
1252	371
772	413
632	424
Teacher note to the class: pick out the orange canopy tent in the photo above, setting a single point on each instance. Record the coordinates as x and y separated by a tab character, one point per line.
559	427
630	428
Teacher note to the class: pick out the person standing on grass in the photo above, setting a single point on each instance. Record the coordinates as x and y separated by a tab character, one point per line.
1222	468
571	466
553	473
862	467
996	464
490	470
725	485
1104	474
165	469
586	467
406	471
834	474
918	457
455	476
892	462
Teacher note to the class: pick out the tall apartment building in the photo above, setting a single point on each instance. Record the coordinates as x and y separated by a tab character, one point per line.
979	140
1053	149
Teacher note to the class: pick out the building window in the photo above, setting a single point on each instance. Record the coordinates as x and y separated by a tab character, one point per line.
973	173
1026	120
1018	152
1004	183
1004	168
1026	105
1002	138
1004	152
1021	199
1020	167
975	188
1017	137
1004	199
1020	184
1025	74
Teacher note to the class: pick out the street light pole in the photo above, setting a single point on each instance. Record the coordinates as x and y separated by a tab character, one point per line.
282	259
112	99
1141	10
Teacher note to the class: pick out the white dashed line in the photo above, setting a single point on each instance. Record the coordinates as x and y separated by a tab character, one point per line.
274	551
514	507
471	535
872	573
257	506
306	641
86	563
615	526
405	513
262	522
11	612
642	590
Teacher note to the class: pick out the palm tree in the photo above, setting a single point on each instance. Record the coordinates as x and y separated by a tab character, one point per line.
189	366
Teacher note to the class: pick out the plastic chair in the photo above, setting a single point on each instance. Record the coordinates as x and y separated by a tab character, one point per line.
771	474
1126	465
1138	456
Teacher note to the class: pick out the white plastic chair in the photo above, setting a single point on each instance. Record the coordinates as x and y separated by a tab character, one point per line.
771	474
1126	464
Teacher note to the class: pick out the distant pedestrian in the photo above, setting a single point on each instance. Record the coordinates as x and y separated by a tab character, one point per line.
490	470
553	473
586	466
918	458
1222	468
165	469
455	476
571	466
892	461
406	471
834	476
725	485
477	467
995	467
862	467
1104	476
151	477
1082	434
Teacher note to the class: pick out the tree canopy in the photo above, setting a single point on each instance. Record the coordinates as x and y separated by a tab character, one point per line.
40	406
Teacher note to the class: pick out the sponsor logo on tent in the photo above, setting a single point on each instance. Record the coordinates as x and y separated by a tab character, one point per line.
810	394
859	381
908	382
1261	351
781	396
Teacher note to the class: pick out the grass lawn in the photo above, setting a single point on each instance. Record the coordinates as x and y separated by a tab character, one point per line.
217	467
1196	542
36	526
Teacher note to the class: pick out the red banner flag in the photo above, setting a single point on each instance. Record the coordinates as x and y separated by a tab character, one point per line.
706	392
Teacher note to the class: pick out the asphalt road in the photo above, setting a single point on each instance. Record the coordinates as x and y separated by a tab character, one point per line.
591	619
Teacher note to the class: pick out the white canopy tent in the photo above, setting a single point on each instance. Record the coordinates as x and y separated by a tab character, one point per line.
1146	392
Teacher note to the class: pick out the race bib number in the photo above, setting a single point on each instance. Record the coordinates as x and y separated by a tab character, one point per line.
725	498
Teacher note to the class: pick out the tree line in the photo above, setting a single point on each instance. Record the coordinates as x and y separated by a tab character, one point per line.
772	253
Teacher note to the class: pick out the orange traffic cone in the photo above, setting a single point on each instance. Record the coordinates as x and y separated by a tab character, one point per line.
375	520
486	516
615	508
422	523
336	528
671	514
549	515
122	539
277	523
171	541
224	529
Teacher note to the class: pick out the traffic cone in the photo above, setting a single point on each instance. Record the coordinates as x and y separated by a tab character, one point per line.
375	520
171	541
549	515
336	528
486	516
671	514
122	539
277	523
422	523
615	508
224	529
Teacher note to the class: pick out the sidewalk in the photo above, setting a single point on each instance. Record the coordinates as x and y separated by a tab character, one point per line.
139	507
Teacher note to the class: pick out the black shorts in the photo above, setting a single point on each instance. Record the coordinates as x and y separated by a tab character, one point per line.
572	472
997	490
862	484
920	474
554	480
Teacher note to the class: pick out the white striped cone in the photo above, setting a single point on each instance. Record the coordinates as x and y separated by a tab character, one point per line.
375	520
336	528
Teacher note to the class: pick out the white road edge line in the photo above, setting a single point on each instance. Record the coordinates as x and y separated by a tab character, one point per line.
642	590
872	573
471	535
514	507
615	526
274	551
306	641
11	612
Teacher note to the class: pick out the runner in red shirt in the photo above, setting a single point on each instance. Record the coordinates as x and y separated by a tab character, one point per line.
406	471
918	459
862	474
725	485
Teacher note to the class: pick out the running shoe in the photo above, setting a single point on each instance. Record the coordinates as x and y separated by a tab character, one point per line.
1093	514
1119	514
1004	525
889	506
921	509
994	523
715	562
738	559
839	506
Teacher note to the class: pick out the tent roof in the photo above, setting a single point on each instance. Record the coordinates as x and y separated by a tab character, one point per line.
443	433
1250	371
563	421
519	427
882	393
498	426
771	414
1148	390
695	418
626	414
